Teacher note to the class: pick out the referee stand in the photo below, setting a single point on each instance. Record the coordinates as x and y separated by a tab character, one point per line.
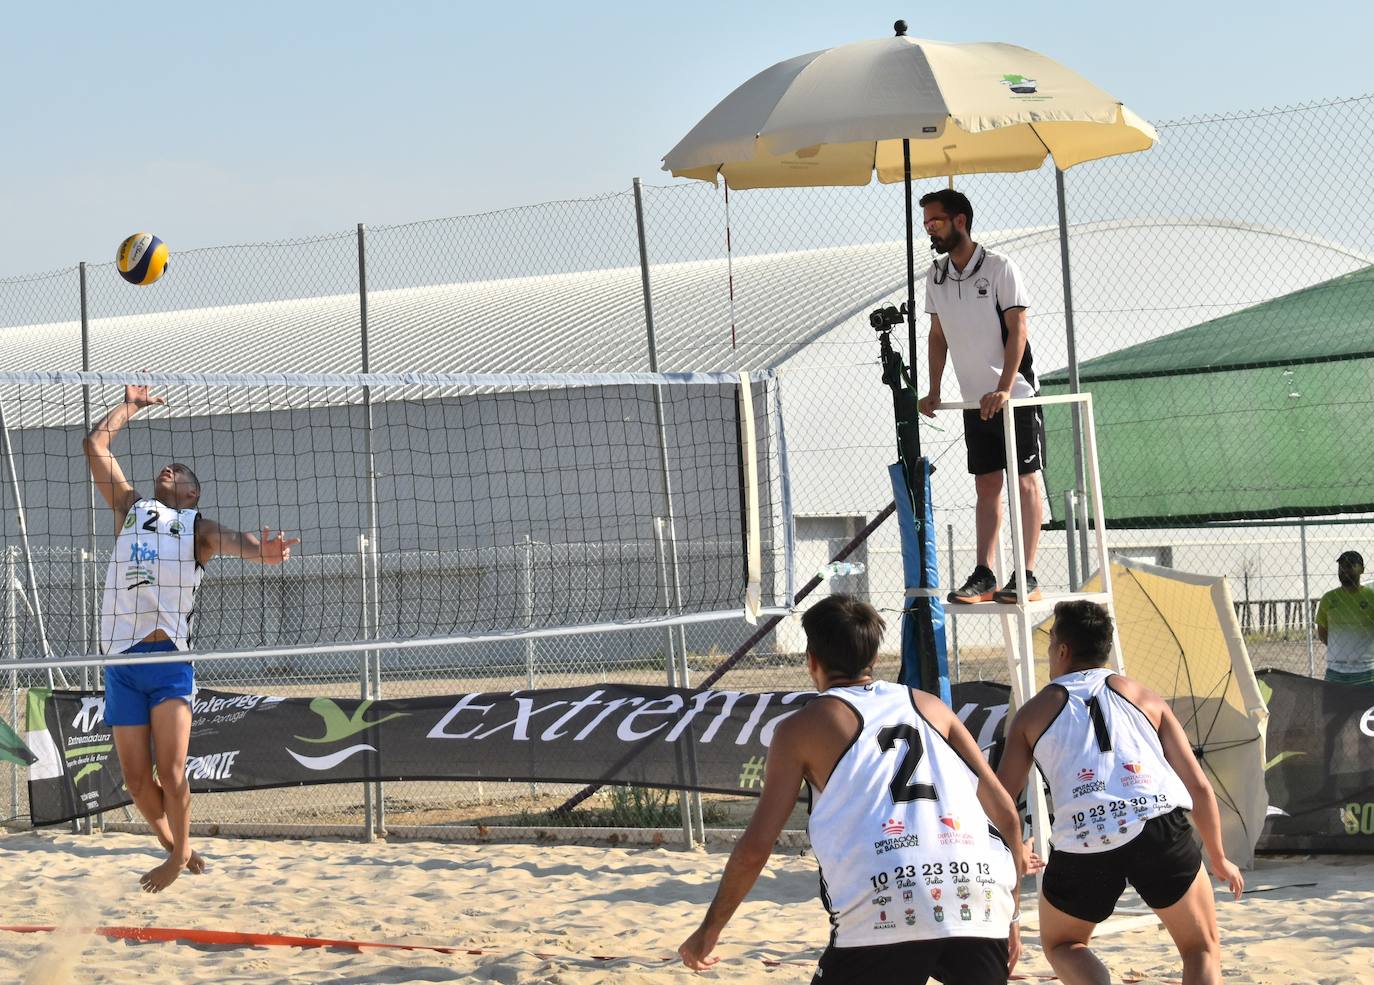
1019	620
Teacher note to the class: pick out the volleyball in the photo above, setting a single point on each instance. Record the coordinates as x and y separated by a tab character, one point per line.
142	258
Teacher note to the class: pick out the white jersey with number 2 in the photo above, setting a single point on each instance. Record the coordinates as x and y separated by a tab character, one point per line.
152	579
905	850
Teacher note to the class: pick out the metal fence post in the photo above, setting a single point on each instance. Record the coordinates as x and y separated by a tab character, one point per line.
953	624
1075	416
527	617
12	652
1070	539
1307	600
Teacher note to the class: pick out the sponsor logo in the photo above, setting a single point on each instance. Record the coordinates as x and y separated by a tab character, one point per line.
964	912
883	923
911	918
987	913
129	520
953	836
963	891
1135	775
175	528
936	893
906	896
213	766
892	827
981	284
987	895
1132	767
1085	774
92	713
140	553
895	844
1019	84
1096	786
881	900
939	913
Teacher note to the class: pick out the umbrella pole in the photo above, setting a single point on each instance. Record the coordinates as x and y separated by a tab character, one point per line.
910	274
1076	420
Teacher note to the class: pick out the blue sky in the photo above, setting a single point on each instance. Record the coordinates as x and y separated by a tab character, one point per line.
260	121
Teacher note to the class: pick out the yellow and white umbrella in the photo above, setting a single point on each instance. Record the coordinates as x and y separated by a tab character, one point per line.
836	116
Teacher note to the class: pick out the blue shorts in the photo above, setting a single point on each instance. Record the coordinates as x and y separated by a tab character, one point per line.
131	690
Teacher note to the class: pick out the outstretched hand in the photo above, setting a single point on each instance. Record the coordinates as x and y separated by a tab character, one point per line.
1034	863
275	550
137	394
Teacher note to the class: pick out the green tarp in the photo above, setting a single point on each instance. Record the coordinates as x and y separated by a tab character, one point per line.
1266	412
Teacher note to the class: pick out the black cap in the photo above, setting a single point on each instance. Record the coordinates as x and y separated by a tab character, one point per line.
1350	559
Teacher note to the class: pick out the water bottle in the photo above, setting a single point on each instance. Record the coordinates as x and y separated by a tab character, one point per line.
840	568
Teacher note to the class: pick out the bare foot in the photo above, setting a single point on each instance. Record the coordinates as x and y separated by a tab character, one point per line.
158	879
194	865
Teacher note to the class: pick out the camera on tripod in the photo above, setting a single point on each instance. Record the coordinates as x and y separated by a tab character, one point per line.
886	318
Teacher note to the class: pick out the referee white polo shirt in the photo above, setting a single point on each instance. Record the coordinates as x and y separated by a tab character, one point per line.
972	304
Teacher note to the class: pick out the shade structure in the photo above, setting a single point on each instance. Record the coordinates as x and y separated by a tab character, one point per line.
1180	638
1256	414
837	116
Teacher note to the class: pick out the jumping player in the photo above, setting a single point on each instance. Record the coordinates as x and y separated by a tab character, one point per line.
162	545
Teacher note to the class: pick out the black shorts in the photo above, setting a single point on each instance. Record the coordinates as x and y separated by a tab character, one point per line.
986	444
1161	863
951	960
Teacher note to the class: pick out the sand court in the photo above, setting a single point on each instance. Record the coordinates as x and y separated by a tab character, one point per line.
551	915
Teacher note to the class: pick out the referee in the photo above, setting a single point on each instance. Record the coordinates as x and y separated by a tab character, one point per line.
977	307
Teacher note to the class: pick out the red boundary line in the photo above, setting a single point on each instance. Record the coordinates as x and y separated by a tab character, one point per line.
239	939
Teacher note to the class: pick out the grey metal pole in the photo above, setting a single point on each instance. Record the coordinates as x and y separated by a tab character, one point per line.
684	799
1076	419
674	598
12	651
1070	544
952	623
1307	600
371	591
92	617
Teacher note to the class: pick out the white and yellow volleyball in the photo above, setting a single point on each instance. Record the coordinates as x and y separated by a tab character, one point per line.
142	258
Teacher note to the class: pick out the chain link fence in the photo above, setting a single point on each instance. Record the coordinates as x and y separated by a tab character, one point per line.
1226	212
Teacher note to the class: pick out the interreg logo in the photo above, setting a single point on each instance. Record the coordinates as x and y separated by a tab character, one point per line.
338	726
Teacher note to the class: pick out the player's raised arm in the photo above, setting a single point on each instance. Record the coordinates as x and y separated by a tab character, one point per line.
213	540
109	478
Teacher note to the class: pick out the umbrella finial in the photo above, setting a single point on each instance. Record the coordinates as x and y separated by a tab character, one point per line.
900	28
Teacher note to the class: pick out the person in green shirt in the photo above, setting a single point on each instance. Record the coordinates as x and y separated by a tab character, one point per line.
1345	623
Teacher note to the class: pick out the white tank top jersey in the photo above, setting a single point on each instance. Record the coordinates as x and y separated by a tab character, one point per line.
1105	767
152	579
905	850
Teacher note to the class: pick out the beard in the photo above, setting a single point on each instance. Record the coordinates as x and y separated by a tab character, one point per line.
1350	579
947	244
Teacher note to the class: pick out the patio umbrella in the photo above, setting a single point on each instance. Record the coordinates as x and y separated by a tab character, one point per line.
906	108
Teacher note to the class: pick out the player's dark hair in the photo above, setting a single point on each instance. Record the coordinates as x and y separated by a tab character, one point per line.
1086	629
955	203
843	634
186	471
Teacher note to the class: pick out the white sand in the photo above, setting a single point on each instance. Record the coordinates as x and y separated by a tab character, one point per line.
520	903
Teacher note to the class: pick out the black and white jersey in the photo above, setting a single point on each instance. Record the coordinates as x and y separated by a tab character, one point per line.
152	578
905	849
1105	767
